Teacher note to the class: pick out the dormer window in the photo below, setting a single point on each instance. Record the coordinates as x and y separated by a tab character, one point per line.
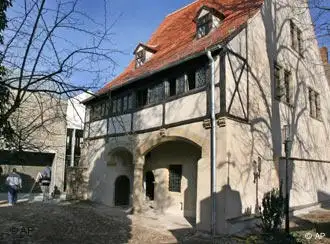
206	20
140	58
142	54
204	25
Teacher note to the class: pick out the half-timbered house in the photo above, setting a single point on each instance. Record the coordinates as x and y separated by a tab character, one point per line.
149	130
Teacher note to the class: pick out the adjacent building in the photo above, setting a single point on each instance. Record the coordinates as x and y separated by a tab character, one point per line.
147	133
50	133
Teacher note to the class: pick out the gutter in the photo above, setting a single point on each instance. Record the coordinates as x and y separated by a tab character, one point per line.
213	143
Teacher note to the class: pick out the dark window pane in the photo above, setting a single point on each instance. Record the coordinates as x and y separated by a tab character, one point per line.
299	40
180	85
287	81
175	178
159	92
125	104
293	37
151	95
279	88
312	102
318	106
191	80
142	97
119	105
166	88
114	106
204	25
69	133
172	87
200	77
130	101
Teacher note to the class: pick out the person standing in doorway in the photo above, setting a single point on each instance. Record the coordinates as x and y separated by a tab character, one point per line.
44	179
14	183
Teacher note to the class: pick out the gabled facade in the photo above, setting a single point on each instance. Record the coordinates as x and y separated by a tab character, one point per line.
148	131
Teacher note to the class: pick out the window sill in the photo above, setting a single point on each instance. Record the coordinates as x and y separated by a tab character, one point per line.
284	102
190	92
172	98
315	118
96	120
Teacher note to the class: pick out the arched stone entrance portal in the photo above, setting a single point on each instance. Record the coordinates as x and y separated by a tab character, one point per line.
122	191
173	164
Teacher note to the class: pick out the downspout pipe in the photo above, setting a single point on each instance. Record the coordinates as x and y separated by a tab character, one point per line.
213	146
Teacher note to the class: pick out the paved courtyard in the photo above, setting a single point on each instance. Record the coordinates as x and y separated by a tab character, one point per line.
85	222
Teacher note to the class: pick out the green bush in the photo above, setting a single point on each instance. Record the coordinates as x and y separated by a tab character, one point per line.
272	211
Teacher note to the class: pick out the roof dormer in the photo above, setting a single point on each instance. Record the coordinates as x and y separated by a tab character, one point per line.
142	54
206	20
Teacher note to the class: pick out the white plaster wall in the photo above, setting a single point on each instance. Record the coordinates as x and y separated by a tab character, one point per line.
75	115
189	107
120	124
262	137
217	100
148	118
237	72
98	128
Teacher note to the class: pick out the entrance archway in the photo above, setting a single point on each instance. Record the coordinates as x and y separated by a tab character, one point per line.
150	187
171	177
122	191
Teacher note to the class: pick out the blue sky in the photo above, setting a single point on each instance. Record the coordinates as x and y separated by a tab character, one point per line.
134	22
137	20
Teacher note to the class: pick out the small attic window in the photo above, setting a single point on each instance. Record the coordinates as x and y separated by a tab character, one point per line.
206	20
204	25
140	58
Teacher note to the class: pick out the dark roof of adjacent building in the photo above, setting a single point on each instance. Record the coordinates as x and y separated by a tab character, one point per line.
175	38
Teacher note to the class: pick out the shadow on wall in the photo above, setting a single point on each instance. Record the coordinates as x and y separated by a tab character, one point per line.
190	197
228	206
324	199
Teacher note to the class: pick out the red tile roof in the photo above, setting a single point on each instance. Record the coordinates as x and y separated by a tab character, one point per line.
175	37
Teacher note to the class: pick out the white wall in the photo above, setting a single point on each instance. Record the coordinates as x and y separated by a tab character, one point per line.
262	137
148	118
120	124
98	128
189	107
75	114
